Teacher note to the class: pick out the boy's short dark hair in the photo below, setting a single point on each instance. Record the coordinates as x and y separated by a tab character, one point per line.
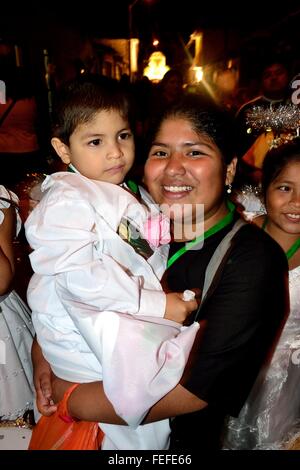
79	100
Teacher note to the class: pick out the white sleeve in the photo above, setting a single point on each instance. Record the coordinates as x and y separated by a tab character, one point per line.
61	231
147	362
142	358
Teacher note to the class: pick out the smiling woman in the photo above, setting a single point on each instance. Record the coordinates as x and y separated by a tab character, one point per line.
188	166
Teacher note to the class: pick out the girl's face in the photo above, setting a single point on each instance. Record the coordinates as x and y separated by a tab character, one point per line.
186	169
102	149
283	200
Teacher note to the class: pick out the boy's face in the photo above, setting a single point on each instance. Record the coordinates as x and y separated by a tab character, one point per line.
102	149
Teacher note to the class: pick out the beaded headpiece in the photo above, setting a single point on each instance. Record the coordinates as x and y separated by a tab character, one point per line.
283	121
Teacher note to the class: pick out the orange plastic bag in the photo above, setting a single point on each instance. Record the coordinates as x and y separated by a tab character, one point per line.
60	432
257	152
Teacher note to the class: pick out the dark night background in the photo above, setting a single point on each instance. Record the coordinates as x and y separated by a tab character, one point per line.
166	18
249	30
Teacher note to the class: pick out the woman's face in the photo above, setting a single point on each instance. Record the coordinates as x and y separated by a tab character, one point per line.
187	169
283	200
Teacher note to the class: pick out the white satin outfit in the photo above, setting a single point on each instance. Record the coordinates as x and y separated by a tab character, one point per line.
98	305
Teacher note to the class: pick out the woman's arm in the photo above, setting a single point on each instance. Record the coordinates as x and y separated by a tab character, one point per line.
88	402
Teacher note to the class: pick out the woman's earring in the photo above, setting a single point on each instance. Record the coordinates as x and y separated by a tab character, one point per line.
229	188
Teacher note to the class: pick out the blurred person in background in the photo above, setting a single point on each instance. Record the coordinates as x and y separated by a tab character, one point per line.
253	144
20	124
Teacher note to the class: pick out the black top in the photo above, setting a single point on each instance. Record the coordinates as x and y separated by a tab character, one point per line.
242	318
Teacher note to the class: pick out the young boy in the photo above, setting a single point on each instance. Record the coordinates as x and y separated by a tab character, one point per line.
98	307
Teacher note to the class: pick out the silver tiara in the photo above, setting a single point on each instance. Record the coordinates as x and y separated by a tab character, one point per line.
284	121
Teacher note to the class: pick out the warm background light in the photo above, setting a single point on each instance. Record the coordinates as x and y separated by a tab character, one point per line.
157	67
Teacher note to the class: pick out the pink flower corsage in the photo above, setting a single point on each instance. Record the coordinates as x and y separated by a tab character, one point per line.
157	230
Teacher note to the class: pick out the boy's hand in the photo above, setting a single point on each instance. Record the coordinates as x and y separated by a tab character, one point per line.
178	309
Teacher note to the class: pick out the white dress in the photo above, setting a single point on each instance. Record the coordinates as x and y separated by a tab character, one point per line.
273	406
250	197
16	335
97	304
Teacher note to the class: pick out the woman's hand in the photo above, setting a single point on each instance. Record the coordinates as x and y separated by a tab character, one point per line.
49	388
42	376
178	309
44	402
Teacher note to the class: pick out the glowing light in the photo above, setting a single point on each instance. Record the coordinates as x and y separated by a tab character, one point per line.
134	49
18	56
155	42
196	70
157	67
198	73
197	36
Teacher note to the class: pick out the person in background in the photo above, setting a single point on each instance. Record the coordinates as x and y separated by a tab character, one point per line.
16	329
273	406
252	144
20	121
98	253
167	92
191	162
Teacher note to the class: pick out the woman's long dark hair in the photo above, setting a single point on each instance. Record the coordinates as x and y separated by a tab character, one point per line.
211	120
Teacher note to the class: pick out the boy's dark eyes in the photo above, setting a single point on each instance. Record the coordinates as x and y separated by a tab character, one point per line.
95	142
125	135
122	136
